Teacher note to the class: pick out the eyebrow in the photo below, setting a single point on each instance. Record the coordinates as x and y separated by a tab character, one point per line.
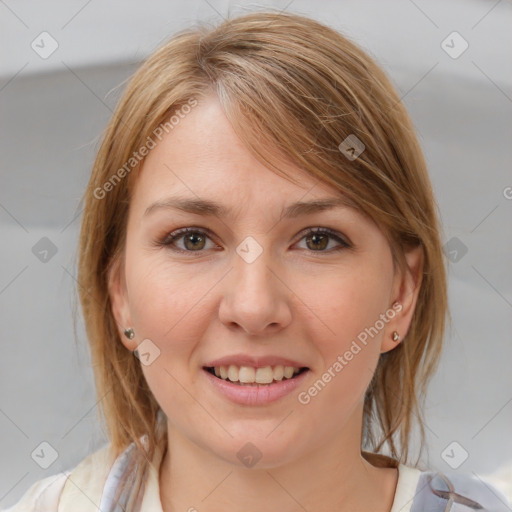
208	207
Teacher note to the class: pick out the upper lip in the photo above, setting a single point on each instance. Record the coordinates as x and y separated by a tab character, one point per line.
254	361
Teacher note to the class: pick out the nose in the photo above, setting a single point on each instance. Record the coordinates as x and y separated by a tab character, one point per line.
255	298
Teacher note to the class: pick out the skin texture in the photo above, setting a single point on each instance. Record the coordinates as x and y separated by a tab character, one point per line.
294	301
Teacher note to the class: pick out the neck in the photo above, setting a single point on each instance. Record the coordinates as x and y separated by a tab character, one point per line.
332	476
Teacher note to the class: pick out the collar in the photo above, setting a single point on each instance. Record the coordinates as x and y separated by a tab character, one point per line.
408	479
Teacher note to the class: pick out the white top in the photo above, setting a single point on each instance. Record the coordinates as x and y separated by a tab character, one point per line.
405	488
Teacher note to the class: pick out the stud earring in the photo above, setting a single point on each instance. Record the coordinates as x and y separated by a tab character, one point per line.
395	336
129	333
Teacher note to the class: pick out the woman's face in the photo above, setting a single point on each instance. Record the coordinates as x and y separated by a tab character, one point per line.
252	286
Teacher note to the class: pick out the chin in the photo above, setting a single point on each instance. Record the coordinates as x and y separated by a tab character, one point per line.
259	451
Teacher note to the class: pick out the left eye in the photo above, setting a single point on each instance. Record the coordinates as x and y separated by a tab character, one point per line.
194	240
319	238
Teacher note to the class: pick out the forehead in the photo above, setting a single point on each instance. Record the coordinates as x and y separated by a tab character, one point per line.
203	157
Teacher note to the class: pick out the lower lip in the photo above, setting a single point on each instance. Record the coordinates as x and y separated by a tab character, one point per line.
258	394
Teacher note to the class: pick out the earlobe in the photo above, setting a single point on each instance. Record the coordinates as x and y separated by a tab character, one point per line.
405	293
119	302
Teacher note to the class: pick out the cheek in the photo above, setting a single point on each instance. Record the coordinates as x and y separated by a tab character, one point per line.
343	304
169	305
164	299
343	312
166	307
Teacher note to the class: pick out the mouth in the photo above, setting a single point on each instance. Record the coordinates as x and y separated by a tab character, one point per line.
255	377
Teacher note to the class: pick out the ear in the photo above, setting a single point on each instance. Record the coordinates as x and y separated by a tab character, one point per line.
406	288
119	301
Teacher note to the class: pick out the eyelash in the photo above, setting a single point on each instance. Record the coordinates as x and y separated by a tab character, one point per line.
171	238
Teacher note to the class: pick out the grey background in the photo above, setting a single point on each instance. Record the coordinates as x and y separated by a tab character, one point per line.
53	111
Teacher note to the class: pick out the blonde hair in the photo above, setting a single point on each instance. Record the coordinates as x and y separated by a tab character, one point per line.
291	84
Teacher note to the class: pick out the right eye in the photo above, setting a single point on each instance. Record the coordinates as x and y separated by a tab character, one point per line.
193	239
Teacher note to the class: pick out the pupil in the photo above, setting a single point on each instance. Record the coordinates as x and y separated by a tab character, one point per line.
323	241
191	238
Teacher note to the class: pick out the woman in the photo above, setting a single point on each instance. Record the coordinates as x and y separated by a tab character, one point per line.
263	284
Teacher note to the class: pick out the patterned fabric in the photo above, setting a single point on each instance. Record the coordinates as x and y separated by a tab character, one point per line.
456	492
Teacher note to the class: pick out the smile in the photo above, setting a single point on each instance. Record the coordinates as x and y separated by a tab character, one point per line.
248	375
240	384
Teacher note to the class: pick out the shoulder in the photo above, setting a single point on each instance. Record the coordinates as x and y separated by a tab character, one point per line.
39	494
66	489
421	490
450	491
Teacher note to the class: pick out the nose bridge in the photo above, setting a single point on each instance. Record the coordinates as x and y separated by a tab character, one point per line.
255	298
253	265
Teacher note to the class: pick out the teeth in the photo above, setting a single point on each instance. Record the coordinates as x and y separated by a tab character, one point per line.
246	374
233	373
250	375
